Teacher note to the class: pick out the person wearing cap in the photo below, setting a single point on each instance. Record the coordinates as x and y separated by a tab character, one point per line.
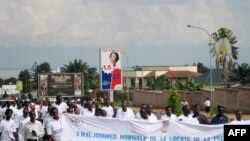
220	118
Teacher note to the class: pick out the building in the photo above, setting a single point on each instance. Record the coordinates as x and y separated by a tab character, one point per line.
217	81
8	89
137	78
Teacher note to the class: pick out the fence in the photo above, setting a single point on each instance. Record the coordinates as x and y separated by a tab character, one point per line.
233	99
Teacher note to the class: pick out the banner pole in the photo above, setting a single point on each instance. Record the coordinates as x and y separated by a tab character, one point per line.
111	96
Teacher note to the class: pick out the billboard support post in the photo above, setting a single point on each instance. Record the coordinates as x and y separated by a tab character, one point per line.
111	96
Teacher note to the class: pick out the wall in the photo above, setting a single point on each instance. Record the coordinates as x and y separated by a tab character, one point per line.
233	99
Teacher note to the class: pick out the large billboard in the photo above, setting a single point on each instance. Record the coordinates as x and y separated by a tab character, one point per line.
111	70
65	84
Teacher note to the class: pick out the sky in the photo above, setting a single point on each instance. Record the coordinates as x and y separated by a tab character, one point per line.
149	32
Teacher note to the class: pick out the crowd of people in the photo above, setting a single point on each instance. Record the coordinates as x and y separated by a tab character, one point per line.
34	120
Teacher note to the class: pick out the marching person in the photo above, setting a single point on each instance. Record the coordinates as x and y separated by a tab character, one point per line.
168	114
8	129
238	117
33	130
220	118
54	127
124	112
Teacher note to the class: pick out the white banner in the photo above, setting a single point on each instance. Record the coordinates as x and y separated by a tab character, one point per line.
81	128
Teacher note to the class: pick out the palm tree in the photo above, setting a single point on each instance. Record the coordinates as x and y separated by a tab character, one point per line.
241	73
90	74
225	51
76	66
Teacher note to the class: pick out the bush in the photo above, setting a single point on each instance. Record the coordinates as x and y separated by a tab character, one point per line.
120	95
174	101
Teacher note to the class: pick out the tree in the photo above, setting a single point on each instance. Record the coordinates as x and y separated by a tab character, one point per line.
241	73
159	83
77	66
201	68
24	76
11	80
137	68
189	84
174	101
225	51
1	81
91	77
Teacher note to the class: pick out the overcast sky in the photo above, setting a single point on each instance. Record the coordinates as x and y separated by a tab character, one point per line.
149	32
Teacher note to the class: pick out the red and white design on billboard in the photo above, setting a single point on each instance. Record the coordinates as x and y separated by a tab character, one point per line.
111	71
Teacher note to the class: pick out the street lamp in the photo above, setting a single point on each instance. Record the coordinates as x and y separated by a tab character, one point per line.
210	44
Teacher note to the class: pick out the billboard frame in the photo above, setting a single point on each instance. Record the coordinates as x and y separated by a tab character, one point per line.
39	92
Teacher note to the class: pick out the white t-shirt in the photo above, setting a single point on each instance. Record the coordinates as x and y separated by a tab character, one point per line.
207	103
20	125
138	115
109	110
54	128
46	120
7	128
235	121
129	114
152	117
89	113
17	114
61	107
44	110
171	117
188	119
36	126
1	113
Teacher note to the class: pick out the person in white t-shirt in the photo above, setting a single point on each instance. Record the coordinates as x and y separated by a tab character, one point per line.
33	129
54	128
186	116
22	120
168	114
151	115
138	115
124	112
90	110
143	114
207	105
8	129
184	103
60	105
238	118
108	108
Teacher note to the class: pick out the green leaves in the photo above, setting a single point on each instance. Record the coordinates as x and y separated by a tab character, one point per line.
225	50
91	78
174	101
241	73
159	83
